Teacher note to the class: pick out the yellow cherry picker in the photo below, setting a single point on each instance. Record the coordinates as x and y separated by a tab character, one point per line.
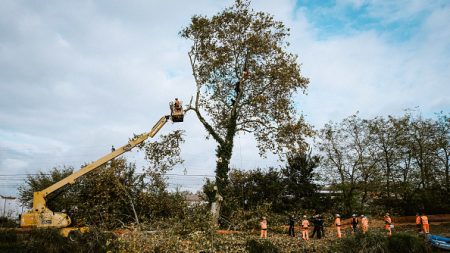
40	216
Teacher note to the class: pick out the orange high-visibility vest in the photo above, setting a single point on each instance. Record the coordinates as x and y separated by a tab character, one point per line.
305	223
418	221
263	224
365	221
424	219
337	222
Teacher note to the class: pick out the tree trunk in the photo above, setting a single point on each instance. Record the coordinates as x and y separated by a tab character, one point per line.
224	152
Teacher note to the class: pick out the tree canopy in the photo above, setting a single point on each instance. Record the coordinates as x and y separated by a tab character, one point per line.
246	82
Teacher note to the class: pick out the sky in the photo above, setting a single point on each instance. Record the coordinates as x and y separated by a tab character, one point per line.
77	77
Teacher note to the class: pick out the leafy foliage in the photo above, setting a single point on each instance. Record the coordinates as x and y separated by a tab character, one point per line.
376	242
405	243
164	154
245	82
257	193
261	246
398	164
298	177
50	241
111	195
61	199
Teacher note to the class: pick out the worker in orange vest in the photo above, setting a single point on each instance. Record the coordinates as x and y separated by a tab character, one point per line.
305	228
418	222
337	222
263	224
425	224
388	223
364	223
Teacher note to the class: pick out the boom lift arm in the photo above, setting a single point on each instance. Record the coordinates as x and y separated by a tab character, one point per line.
41	216
39	197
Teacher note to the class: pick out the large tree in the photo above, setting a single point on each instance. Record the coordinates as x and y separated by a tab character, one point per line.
246	82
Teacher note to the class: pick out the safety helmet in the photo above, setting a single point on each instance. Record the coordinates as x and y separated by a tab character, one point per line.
337	215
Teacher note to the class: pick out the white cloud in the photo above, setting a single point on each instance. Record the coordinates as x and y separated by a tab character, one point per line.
13	165
368	72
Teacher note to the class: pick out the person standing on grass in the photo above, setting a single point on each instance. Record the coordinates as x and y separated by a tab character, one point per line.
388	223
305	228
354	223
291	226
316	229
263	224
321	226
337	222
364	223
425	224
418	223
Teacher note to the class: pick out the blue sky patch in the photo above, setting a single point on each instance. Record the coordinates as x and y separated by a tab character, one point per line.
338	19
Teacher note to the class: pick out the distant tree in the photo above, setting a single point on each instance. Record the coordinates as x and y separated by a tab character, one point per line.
255	187
339	161
349	161
386	136
443	147
298	179
246	82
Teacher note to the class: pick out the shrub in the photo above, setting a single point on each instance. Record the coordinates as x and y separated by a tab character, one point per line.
6	222
371	242
261	246
378	242
50	241
402	242
8	241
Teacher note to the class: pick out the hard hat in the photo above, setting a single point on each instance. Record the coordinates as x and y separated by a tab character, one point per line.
304	216
337	215
387	214
354	215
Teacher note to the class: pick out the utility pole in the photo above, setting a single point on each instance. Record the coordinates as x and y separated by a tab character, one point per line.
4	203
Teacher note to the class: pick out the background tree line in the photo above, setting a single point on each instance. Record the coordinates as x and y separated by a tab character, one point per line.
372	166
390	163
395	164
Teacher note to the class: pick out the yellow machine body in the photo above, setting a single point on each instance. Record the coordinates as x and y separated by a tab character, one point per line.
44	220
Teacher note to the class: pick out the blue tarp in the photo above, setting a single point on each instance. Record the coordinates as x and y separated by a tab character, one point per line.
439	241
